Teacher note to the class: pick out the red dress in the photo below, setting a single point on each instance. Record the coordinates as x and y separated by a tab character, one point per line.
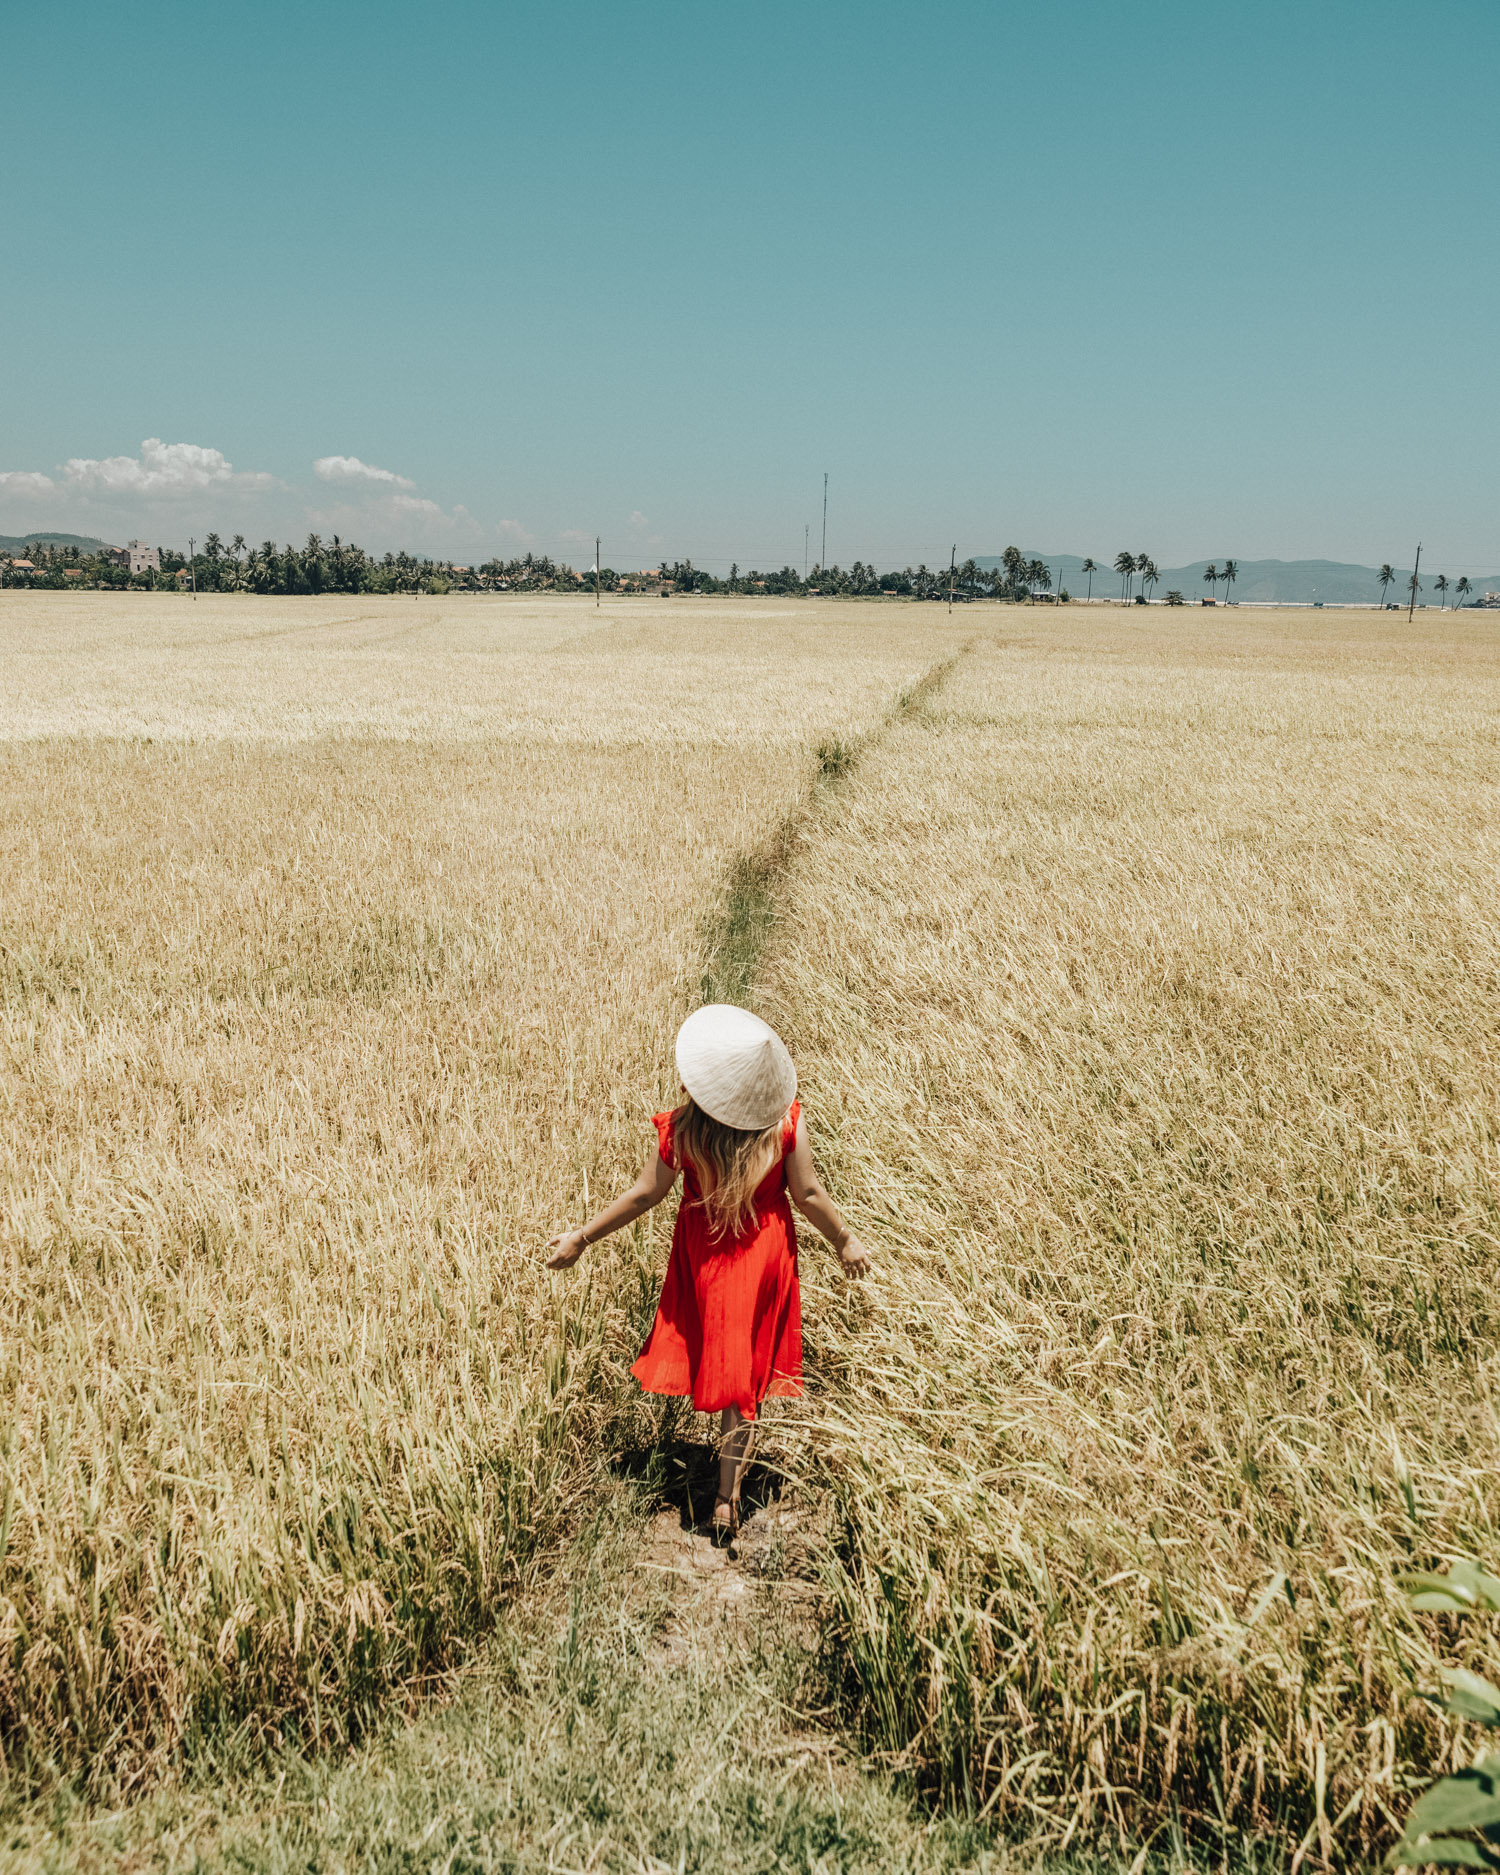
728	1328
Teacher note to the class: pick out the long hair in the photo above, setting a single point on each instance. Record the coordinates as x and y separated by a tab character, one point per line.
730	1164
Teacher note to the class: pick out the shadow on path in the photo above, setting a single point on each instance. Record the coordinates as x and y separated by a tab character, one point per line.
682	1475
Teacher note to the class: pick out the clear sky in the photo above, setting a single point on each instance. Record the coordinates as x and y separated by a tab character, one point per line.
1215	278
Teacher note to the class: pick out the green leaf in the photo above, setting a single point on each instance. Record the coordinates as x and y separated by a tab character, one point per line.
1471	1697
1438	1594
1463	1589
1445	1851
1467	1800
1484	1588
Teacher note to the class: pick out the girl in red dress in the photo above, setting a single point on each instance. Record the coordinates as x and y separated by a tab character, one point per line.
728	1328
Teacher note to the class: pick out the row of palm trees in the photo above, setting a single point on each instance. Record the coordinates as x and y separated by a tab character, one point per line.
1441	585
1140	566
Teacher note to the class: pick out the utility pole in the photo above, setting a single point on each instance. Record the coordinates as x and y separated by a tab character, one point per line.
952	565
1415	570
596	572
805	532
192	570
824	560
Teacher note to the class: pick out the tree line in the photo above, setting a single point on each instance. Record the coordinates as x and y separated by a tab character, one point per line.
340	566
336	566
1014	578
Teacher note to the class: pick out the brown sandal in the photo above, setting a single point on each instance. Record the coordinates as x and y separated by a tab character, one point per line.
727	1527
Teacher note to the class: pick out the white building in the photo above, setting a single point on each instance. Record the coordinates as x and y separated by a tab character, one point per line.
138	557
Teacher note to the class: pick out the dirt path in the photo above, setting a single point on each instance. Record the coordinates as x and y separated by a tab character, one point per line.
719	1592
716	1588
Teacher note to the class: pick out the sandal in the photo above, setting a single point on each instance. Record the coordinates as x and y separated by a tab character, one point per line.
726	1526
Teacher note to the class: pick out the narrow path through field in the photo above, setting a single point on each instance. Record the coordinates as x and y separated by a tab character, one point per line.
714	1589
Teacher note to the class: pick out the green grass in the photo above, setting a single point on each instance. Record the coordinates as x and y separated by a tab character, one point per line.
575	1743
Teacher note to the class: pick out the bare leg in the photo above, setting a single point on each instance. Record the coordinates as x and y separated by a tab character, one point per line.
734	1458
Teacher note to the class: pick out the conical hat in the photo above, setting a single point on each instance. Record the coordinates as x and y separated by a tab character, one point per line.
735	1067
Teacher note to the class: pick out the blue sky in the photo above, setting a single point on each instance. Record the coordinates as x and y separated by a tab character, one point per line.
1219	279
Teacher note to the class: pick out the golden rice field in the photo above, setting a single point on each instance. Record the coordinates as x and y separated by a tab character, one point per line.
1147	987
1143	974
340	953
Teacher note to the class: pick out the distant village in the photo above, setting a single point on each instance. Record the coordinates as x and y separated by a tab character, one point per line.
339	566
336	567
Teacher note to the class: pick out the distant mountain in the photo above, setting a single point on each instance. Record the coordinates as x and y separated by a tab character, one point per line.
1280	582
18	543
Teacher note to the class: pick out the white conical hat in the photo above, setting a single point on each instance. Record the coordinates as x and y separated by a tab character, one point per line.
735	1067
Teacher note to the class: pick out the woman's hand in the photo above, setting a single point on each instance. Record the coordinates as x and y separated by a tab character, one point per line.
854	1257
566	1249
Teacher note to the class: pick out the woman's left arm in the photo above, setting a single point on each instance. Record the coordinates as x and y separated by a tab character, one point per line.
805	1189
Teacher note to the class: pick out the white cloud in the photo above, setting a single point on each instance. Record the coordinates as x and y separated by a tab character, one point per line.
377	508
26	482
637	519
161	471
190	482
171	487
351	469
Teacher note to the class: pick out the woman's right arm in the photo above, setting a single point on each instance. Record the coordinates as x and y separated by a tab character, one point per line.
656	1180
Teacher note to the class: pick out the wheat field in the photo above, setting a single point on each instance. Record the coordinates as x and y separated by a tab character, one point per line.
340	957
1142	973
1147	987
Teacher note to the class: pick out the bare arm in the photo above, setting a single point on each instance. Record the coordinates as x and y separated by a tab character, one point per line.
656	1180
805	1189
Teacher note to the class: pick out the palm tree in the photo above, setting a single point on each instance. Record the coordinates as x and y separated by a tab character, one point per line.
1124	566
1386	574
1015	569
1440	584
1463	588
1229	573
1149	575
1089	568
1038	573
1211	575
1414	586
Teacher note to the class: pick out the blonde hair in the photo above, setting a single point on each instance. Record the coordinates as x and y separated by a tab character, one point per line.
730	1164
